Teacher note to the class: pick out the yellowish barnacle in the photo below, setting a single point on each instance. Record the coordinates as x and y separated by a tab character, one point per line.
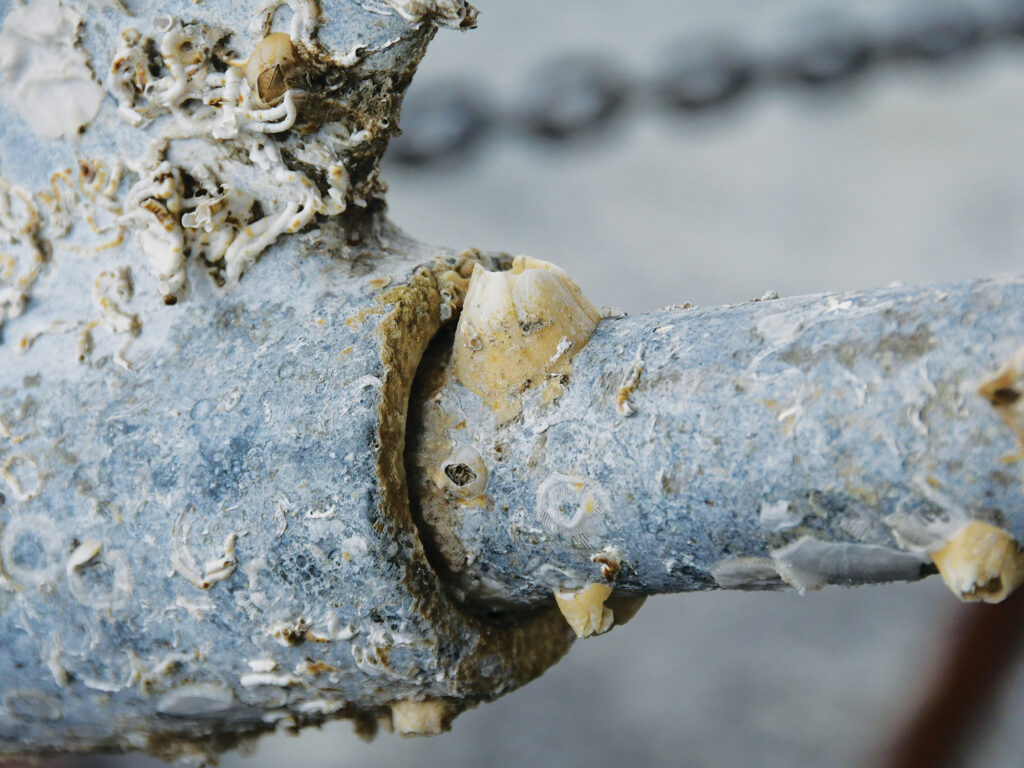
981	563
585	610
1005	391
420	718
269	67
464	473
520	329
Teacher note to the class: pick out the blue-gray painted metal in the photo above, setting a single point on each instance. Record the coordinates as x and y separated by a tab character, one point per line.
204	529
707	448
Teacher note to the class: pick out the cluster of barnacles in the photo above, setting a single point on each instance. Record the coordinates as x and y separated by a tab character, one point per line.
215	118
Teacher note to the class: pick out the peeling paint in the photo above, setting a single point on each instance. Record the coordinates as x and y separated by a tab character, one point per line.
779	516
808	564
746	573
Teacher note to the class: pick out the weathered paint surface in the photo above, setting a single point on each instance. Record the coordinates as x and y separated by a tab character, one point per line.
205	363
834	439
209	335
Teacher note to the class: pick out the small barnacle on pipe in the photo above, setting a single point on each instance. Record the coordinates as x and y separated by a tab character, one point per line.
1005	391
584	609
269	67
981	563
420	718
464	473
520	329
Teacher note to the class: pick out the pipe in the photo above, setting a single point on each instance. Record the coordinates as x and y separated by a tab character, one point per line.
208	339
827	439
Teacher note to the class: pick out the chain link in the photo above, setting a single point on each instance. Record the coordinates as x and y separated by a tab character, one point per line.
578	96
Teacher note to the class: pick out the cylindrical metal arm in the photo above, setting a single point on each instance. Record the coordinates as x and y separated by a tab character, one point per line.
811	440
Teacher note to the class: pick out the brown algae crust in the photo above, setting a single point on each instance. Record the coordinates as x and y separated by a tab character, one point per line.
493	657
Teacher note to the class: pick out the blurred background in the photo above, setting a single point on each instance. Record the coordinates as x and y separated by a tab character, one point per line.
716	150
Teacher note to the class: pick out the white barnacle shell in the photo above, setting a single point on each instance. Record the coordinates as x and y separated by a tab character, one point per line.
520	329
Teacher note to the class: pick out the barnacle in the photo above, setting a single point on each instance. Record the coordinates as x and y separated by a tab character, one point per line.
981	563
520	329
584	609
465	474
269	67
420	718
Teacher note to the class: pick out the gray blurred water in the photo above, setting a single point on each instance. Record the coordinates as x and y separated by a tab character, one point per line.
912	174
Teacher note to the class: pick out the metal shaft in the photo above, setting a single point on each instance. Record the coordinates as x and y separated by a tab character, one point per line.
208	332
811	440
208	339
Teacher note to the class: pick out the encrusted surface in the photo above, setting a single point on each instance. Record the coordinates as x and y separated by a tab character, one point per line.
834	439
257	495
206	358
187	167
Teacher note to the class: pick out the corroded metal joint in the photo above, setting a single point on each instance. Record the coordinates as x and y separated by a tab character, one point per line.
204	524
210	335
